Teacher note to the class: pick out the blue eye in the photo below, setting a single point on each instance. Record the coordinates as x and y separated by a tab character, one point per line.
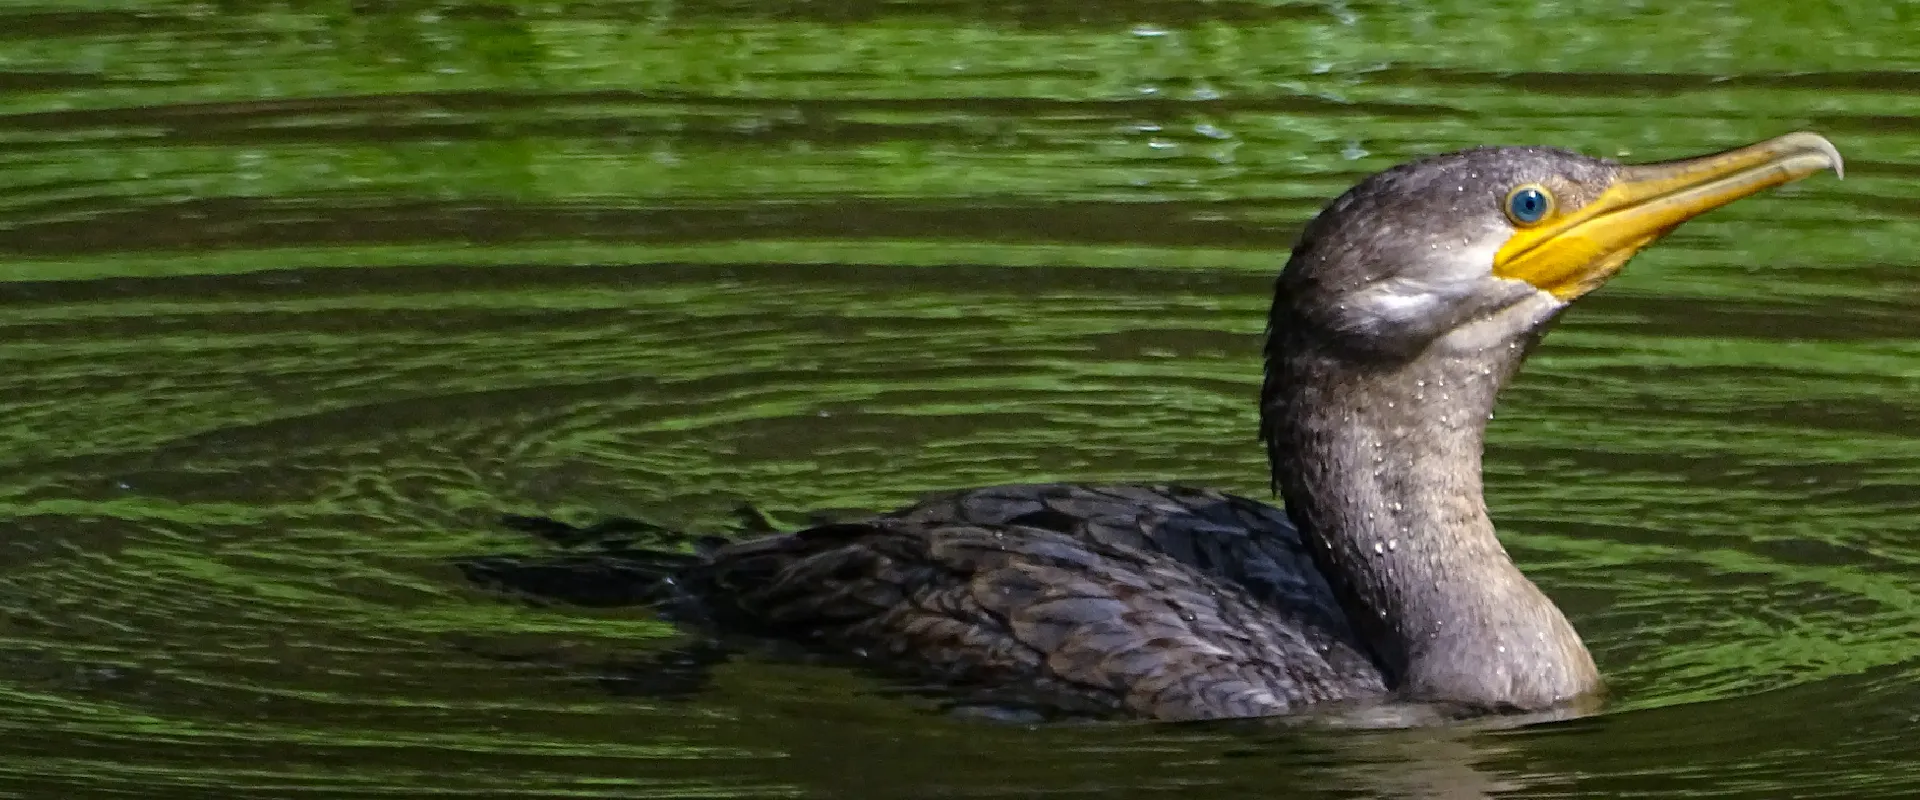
1529	204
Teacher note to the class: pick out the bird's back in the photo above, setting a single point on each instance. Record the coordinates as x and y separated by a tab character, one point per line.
1165	602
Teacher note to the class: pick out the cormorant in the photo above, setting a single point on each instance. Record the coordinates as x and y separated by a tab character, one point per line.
1407	304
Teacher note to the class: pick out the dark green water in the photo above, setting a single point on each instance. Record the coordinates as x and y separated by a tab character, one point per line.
297	297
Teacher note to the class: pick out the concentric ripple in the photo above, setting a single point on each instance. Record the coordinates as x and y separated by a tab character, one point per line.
298	299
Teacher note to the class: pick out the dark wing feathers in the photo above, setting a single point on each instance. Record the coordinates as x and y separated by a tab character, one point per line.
1171	603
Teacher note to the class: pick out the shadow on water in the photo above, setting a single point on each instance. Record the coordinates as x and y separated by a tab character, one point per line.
300	299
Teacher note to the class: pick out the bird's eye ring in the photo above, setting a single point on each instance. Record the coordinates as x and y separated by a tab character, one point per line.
1528	204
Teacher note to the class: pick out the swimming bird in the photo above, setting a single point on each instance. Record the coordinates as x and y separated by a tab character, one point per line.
1407	304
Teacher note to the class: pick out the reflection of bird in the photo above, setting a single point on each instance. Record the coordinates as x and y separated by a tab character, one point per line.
1407	304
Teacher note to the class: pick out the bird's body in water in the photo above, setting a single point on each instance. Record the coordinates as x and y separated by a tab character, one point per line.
1407	304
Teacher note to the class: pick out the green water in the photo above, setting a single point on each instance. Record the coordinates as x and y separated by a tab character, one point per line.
297	297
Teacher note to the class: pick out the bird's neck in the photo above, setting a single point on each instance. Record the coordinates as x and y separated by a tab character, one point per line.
1380	469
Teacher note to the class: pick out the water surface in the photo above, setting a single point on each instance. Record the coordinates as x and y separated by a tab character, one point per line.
298	297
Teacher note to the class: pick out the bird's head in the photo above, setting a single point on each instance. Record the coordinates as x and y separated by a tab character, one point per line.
1501	238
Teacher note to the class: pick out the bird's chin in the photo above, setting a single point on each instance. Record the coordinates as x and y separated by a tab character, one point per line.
1514	325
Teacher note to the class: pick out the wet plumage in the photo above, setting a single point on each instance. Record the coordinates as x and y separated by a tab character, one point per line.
1406	306
1167	602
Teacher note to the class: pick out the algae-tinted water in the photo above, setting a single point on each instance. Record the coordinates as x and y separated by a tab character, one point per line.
297	298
